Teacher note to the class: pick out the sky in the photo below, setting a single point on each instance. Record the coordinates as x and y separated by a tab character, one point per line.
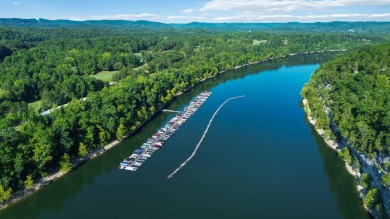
212	11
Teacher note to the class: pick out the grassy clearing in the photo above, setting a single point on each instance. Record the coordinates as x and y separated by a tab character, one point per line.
35	105
258	42
142	67
104	75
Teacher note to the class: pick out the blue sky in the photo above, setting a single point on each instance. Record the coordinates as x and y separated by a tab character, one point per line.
184	11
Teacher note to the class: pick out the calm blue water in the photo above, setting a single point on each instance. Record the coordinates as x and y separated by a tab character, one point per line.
260	159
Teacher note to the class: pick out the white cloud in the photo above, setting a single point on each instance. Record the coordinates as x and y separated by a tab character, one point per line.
183	19
189	10
296	10
17	3
286	5
73	18
145	16
303	18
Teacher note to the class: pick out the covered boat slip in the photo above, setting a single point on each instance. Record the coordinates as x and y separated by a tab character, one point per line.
154	143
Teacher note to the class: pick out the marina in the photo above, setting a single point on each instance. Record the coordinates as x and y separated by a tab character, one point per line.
156	142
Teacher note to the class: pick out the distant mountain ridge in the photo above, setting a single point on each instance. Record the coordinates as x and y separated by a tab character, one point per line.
335	26
88	23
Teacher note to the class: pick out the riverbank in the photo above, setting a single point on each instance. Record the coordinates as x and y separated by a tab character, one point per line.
56	174
337	146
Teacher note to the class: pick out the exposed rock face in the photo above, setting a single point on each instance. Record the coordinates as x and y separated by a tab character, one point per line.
369	166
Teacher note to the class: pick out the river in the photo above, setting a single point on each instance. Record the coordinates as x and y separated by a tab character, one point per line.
260	159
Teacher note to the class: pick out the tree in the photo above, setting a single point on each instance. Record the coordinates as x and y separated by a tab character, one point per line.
120	133
365	180
5	194
29	182
346	155
83	150
387	166
372	198
65	163
386	179
103	136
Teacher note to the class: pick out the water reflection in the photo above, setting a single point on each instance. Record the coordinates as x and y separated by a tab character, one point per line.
340	180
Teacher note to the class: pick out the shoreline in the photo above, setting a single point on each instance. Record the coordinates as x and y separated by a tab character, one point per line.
337	147
56	173
332	144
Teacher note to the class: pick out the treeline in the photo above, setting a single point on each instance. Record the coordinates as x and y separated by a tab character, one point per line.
291	27
15	38
152	69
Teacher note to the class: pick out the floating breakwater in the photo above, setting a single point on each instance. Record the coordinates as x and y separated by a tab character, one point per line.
202	138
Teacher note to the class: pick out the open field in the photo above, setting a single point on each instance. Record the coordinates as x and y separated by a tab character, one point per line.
258	42
35	105
104	75
142	67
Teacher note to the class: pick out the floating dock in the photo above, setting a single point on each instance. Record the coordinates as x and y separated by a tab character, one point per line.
154	143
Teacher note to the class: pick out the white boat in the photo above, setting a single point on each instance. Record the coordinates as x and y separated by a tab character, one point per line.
143	158
131	168
137	164
134	156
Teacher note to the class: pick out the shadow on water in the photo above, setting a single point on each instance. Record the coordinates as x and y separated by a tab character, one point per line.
52	198
340	180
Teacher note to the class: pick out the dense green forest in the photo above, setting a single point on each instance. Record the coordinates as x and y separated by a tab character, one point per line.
350	99
55	65
354	90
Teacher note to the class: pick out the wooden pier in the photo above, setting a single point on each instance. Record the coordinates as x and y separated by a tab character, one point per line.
203	136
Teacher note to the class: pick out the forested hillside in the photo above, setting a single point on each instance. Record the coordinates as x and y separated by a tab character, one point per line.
356	93
349	98
296	27
149	66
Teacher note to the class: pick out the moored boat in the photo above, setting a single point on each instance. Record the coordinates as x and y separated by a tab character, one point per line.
156	141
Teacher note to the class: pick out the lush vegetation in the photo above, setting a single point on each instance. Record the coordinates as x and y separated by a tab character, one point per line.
350	95
354	91
152	67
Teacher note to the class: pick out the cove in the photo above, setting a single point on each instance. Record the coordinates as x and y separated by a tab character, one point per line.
260	159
